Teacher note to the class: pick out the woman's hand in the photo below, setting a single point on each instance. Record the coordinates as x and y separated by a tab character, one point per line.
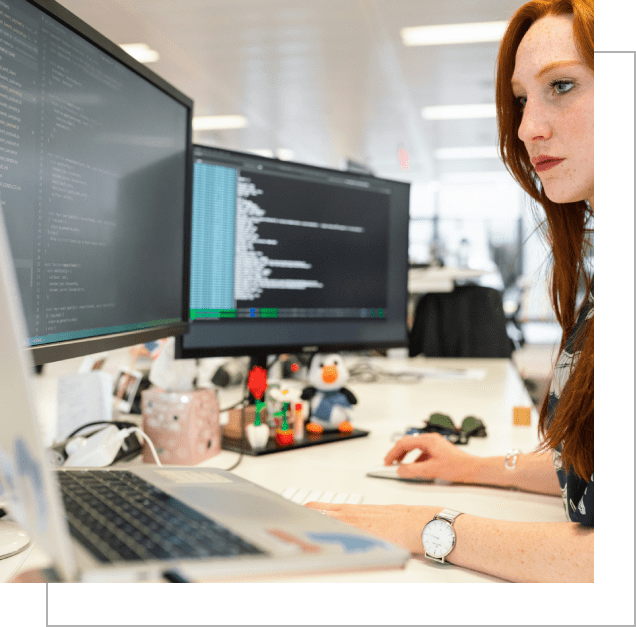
36	575
398	524
438	459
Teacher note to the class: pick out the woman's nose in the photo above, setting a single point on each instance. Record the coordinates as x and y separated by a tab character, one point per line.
534	125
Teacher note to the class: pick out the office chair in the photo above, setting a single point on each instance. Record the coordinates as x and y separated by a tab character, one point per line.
467	322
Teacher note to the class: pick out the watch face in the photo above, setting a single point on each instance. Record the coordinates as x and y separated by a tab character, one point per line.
438	538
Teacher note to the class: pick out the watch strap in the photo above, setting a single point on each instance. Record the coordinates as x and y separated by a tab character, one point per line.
448	515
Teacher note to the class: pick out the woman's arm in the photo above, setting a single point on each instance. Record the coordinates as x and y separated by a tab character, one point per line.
515	551
533	472
440	459
525	551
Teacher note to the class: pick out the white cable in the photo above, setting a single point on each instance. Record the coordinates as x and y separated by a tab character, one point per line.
148	440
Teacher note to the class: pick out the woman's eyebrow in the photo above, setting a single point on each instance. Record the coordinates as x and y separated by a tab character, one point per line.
547	68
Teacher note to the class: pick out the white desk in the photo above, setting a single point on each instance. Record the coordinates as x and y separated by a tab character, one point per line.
383	409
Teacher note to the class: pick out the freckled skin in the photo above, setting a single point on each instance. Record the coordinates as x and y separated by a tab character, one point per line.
557	123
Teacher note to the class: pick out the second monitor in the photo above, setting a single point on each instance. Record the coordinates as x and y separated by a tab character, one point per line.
288	257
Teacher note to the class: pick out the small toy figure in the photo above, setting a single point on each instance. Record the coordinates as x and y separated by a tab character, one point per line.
257	381
278	393
257	433
330	401
284	435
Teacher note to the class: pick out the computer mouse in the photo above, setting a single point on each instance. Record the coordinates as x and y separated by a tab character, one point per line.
391	472
385	472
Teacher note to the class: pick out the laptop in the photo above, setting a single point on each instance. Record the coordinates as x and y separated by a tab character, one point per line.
164	522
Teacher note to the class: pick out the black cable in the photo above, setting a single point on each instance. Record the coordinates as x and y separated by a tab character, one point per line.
120	424
243	432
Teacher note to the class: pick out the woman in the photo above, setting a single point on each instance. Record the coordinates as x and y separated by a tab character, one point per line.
545	110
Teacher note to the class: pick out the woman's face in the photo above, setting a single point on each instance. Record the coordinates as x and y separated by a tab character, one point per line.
555	89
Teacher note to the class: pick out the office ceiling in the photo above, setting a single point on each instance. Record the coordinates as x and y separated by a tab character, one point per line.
325	79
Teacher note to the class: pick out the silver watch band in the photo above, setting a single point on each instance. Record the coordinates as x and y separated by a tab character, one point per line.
448	515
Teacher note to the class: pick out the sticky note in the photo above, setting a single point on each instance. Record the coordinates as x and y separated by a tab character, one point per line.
521	416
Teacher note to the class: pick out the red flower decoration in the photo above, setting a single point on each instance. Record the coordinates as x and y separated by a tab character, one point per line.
257	381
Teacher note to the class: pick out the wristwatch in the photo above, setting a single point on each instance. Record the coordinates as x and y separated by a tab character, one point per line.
438	536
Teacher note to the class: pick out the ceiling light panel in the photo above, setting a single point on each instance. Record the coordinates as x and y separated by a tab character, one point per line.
218	122
467	152
453	33
459	112
142	52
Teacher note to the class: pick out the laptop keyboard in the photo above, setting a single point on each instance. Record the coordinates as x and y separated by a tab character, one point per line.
118	516
305	495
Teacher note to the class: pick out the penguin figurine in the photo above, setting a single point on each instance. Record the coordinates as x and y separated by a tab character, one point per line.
330	402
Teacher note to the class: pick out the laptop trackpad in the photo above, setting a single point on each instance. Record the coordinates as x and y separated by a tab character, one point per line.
243	501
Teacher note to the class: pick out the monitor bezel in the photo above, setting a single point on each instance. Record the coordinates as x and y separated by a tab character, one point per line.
57	351
183	352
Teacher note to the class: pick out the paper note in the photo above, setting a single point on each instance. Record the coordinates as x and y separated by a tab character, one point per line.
81	398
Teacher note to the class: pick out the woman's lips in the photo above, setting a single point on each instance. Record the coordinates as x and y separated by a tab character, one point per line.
542	164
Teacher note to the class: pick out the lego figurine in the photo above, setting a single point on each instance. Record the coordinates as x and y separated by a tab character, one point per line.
284	435
257	433
330	401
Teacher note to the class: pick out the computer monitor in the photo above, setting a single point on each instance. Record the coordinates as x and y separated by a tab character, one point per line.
95	185
287	257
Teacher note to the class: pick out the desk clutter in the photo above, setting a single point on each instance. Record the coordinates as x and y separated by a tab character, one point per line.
186	425
443	424
322	411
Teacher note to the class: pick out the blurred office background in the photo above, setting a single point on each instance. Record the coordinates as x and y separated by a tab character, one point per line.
354	83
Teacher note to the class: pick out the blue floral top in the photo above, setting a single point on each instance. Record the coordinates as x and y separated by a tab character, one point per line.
578	494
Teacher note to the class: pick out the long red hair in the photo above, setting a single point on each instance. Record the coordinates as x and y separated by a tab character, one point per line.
566	229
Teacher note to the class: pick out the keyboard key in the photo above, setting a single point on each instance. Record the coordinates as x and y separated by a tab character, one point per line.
299	497
314	495
327	496
289	492
305	495
339	498
354	499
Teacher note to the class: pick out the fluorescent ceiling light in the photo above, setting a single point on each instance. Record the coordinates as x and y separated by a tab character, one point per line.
453	33
285	154
459	112
142	52
467	152
218	122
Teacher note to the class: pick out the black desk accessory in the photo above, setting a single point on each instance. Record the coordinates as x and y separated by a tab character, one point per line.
326	437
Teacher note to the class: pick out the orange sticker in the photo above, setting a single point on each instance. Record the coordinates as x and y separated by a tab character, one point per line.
305	547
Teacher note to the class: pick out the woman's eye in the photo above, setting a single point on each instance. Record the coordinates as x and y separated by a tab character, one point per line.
522	101
561	86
